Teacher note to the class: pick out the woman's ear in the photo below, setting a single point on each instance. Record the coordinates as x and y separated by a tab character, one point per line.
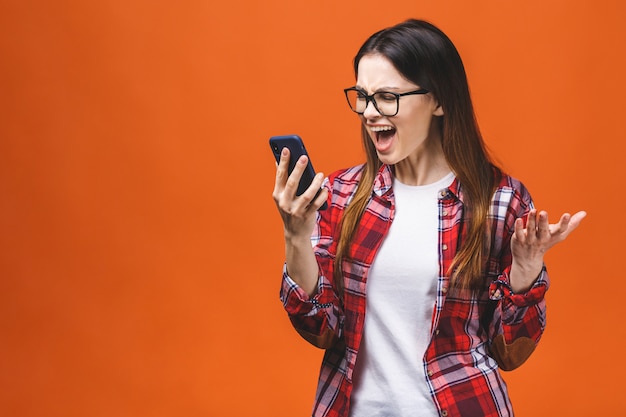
438	111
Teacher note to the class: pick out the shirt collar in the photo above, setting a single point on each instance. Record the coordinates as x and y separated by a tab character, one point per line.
455	190
384	180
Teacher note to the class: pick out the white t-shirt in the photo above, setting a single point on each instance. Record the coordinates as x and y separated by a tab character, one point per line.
389	378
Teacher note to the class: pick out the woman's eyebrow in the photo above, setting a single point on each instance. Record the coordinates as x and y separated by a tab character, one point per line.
378	90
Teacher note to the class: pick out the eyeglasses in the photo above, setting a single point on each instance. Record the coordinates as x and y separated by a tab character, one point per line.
385	102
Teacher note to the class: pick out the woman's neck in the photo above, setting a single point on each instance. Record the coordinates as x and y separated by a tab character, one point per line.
425	166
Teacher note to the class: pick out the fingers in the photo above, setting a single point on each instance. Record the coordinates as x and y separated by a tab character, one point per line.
531	222
529	244
539	230
282	169
543	226
537	226
315	195
561	226
320	200
568	223
291	187
520	232
286	182
286	186
577	218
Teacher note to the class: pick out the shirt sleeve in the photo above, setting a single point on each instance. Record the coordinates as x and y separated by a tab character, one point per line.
519	319
317	318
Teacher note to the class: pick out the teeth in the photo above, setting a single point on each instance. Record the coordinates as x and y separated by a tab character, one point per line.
380	128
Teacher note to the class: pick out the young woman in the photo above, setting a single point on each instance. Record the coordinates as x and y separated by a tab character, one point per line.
426	274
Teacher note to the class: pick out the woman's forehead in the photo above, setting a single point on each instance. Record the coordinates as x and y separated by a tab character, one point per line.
376	72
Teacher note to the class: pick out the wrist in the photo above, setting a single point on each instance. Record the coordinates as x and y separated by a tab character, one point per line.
523	276
296	240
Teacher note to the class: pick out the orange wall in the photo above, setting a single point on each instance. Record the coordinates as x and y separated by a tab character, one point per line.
140	251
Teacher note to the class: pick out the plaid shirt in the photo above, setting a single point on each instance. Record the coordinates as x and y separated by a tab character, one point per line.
472	335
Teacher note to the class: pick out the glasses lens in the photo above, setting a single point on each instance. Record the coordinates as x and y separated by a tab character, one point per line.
356	100
387	103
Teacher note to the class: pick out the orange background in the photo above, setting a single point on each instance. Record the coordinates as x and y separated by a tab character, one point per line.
140	250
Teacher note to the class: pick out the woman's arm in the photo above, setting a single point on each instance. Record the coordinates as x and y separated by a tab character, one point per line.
299	215
307	294
520	315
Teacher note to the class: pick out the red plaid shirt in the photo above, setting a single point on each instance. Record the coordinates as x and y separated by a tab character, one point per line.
472	335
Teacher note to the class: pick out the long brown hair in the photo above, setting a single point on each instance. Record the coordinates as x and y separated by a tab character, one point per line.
426	56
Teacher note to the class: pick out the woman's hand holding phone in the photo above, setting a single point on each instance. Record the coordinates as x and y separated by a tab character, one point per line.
299	215
297	211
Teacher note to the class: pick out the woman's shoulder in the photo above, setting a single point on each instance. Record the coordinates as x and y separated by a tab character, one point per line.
343	184
510	187
347	176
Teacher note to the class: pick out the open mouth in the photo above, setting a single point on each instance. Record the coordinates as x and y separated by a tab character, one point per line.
383	136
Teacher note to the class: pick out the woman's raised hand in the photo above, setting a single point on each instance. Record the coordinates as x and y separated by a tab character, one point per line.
529	244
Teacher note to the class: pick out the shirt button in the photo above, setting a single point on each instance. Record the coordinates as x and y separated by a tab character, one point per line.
444	247
444	290
430	373
444	413
445	212
437	332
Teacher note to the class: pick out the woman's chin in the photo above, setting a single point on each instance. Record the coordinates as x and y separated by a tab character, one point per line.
387	158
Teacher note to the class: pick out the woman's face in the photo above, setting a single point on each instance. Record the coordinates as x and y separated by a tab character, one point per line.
411	131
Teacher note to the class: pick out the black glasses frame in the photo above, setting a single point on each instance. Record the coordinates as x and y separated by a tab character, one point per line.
370	99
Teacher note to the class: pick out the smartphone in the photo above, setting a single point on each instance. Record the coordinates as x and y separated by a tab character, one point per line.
296	149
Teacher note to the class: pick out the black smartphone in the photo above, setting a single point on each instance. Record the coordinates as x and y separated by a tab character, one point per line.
296	149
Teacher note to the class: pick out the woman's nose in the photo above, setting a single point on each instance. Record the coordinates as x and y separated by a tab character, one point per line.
371	111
